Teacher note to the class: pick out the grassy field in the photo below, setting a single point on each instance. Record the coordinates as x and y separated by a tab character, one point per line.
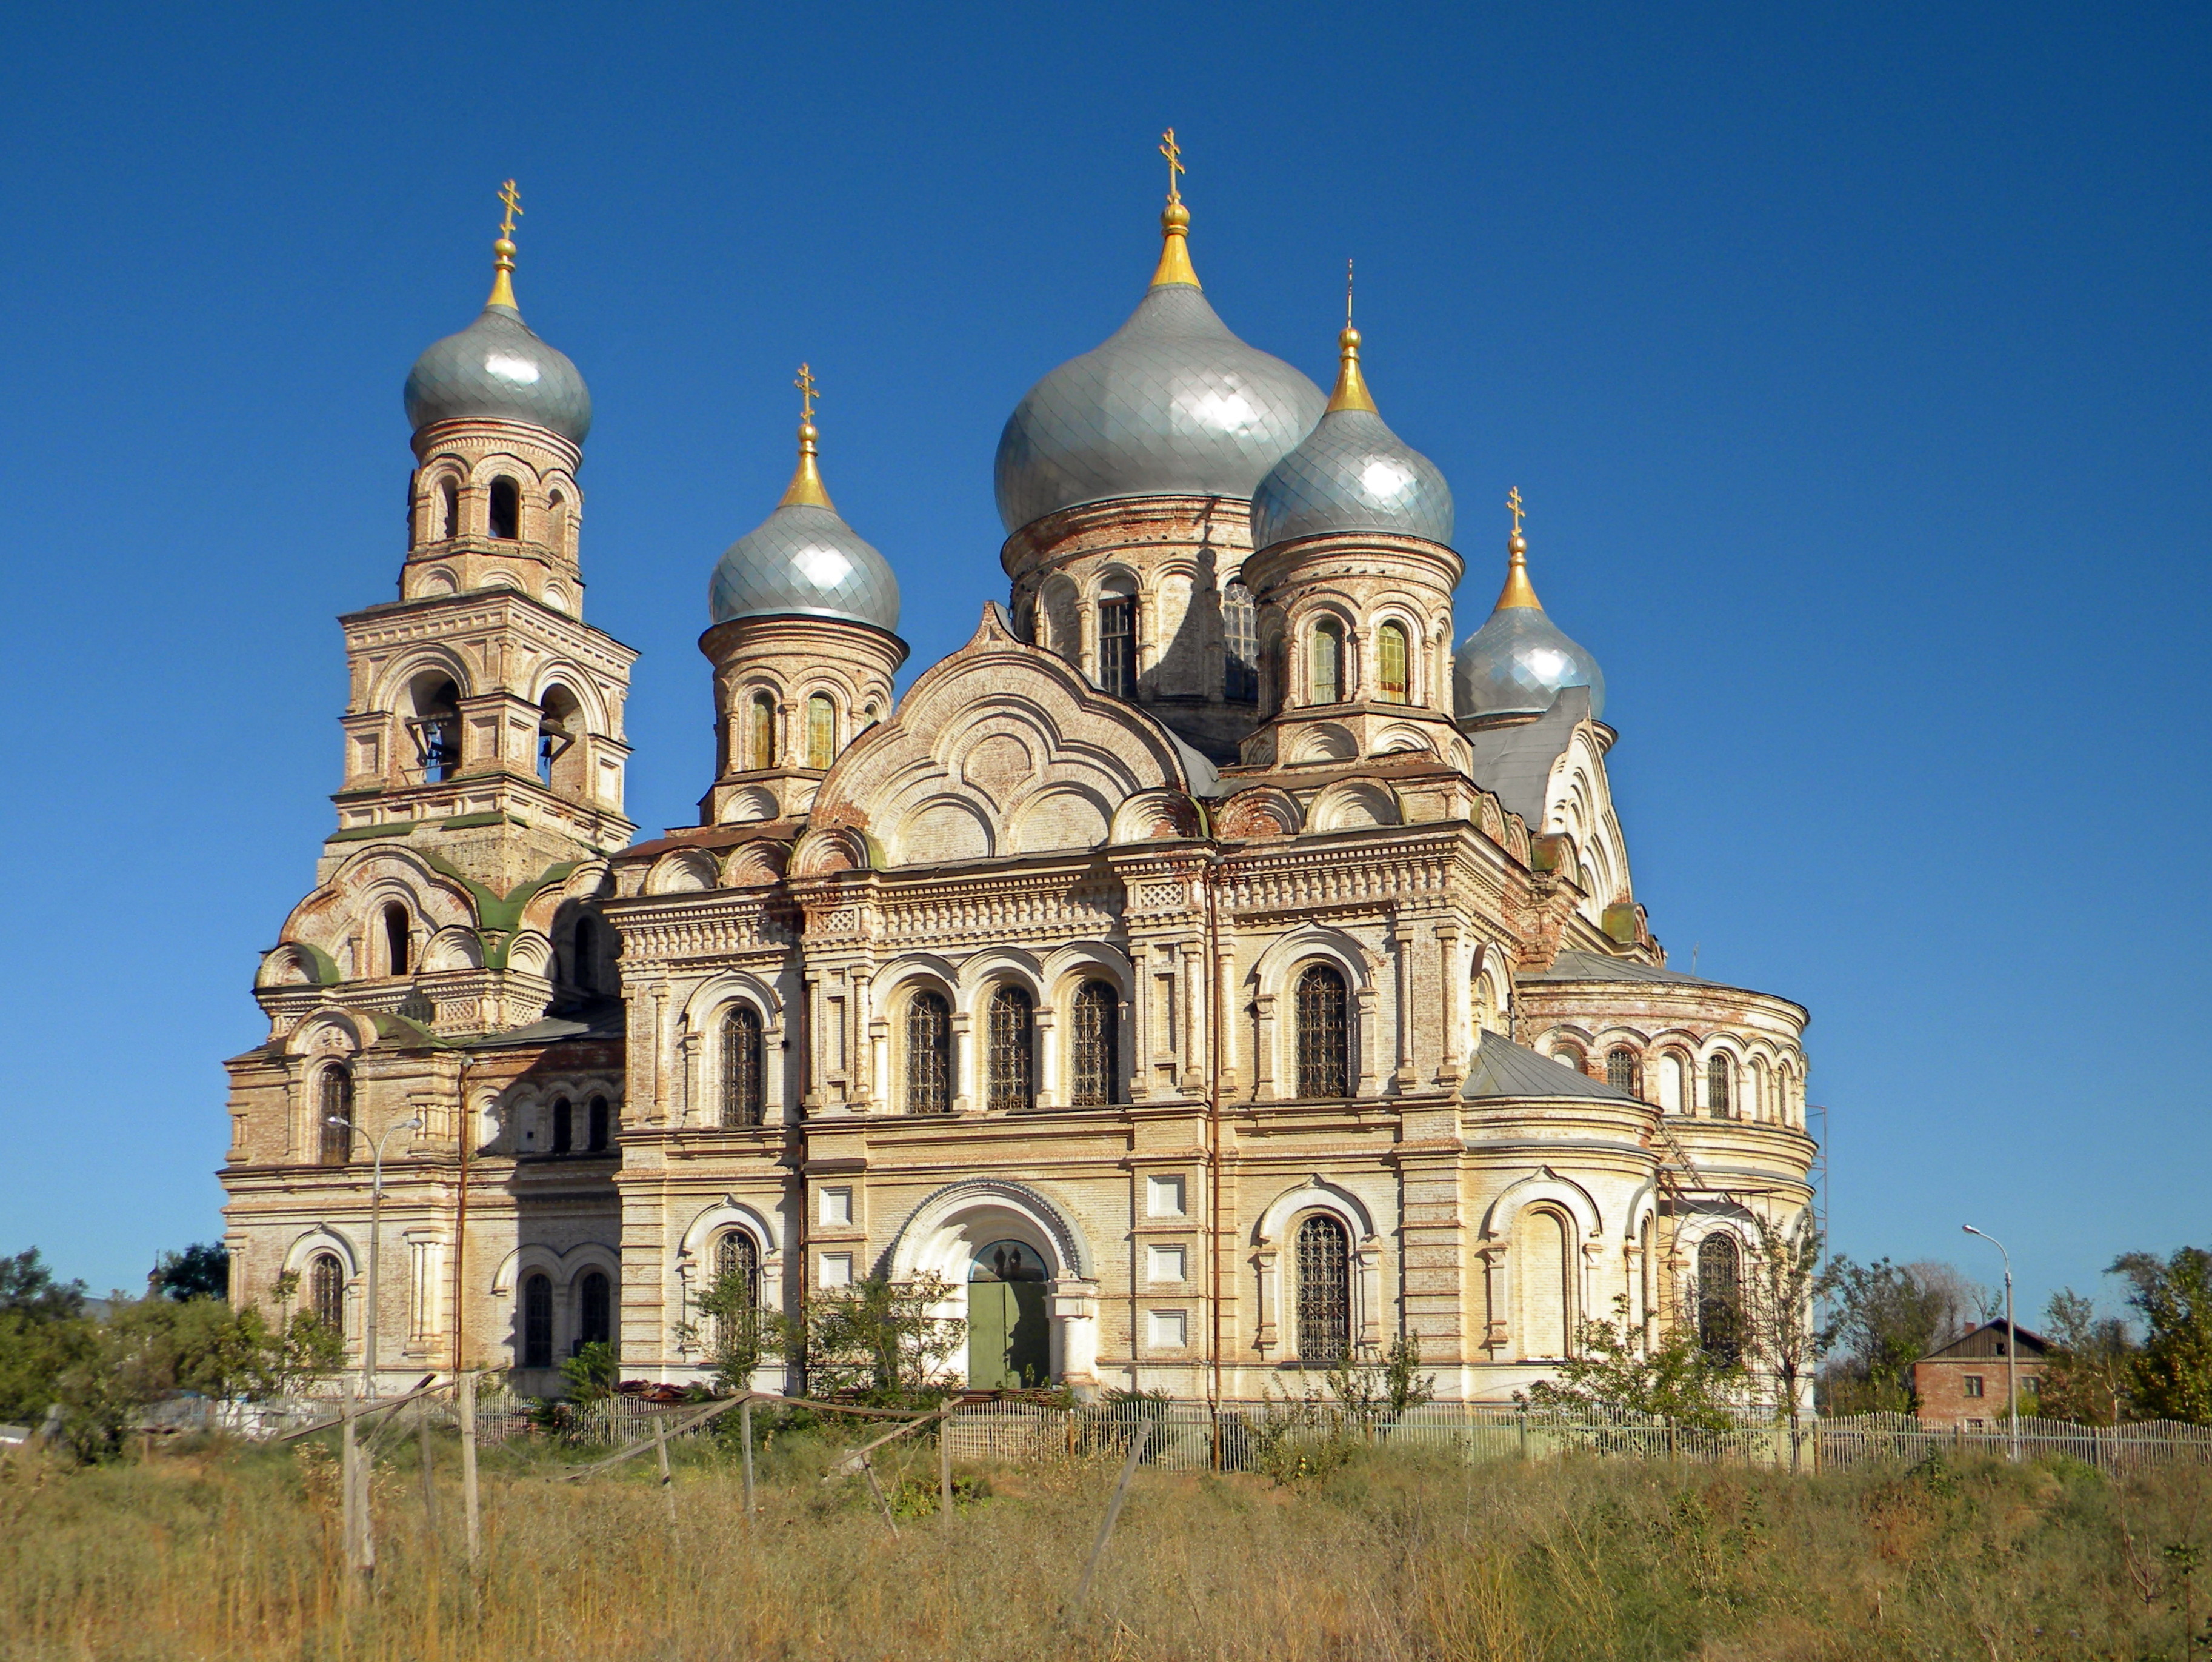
232	1553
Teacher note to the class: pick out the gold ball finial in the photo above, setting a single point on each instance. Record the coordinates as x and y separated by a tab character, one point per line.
1517	546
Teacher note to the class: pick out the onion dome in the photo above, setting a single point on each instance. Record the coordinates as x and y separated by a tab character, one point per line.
1516	663
1171	405
804	560
1351	473
496	368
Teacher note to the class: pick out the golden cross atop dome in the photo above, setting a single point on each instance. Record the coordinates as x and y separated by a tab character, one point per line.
1513	502
1347	294
807	392
1173	151
503	251
513	199
806	488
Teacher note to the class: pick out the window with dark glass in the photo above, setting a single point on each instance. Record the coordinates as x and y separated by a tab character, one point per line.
506	509
537	1321
736	1264
326	1291
564	1125
1013	1049
1325	676
1324	1035
396	940
334	1115
1240	643
1117	645
1324	1273
1391	664
1720	1297
1719	1078
1096	1050
598	1126
741	1067
929	1055
1621	1071
595	1316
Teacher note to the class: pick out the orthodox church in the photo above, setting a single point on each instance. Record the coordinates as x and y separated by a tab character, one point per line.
1209	970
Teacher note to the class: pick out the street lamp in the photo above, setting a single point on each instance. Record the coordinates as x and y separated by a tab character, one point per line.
368	1358
2012	1352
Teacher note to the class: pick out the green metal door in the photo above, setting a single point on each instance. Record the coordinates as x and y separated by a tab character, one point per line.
1009	1334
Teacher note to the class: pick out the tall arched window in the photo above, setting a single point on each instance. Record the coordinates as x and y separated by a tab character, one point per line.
737	1270
929	1054
538	1321
449	511
1720	1079
506	509
1324	1269
1720	1297
821	730
1674	1083
1754	1090
1325	667
742	1097
1324	1033
334	1115
598	1126
1392	665
1240	645
560	720
1540	1264
1097	1051
1117	644
564	1125
1013	1049
760	731
584	953
1621	1071
396	938
435	727
326	1291
595	1313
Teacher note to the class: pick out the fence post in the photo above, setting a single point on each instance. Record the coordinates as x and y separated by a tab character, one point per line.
660	1456
745	1430
1522	1420
468	1406
1137	1444
945	1459
1670	1437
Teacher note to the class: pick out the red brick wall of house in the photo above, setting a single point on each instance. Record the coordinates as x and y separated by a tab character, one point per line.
1941	1389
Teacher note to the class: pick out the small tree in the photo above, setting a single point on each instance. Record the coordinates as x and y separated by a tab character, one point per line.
2172	1375
1782	1287
2088	1375
1677	1380
1372	1390
878	1337
592	1373
735	1335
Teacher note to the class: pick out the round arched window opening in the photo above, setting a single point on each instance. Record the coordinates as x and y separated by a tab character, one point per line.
506	509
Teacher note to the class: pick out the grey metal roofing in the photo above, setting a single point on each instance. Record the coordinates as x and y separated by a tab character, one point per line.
803	561
1518	663
1514	762
1171	404
1351	473
498	367
1575	966
1506	1071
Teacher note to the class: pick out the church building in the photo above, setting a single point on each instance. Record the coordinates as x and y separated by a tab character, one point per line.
1209	970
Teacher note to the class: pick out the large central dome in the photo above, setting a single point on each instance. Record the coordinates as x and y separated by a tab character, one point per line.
1172	404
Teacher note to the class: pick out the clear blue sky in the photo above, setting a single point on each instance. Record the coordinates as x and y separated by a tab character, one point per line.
1853	361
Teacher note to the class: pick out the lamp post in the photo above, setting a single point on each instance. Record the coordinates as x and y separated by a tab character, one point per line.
2012	1352
375	1242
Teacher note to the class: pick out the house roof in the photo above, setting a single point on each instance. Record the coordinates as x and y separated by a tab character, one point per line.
1987	1342
1577	965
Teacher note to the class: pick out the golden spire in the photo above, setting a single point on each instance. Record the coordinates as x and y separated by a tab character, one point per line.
503	251
1352	392
806	488
1175	265
1516	591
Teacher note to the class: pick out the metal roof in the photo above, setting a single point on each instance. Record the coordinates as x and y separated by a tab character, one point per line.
1504	1071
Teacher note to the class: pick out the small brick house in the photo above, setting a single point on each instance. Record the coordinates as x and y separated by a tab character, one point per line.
1964	1383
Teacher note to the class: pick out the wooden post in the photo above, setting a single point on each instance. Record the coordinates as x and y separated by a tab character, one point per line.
468	1406
945	1459
746	1429
1137	1446
868	1471
661	1457
429	1485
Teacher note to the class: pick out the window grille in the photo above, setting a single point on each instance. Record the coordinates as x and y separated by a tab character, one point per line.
1720	1297
564	1126
1718	1080
1240	641
597	1131
595	1322
1324	1034
929	1055
326	1291
538	1321
1097	1044
335	1103
1117	646
737	1262
741	1067
1621	1071
760	731
1325	681
821	731
1013	1050
1390	663
1324	1259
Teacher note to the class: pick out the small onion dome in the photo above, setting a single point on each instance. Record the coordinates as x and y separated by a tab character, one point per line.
497	370
1171	405
804	561
1351	473
1516	663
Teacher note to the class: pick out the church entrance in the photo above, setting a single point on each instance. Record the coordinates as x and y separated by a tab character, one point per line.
1009	1331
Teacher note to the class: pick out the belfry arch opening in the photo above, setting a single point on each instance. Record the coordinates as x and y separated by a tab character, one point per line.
433	724
560	758
506	511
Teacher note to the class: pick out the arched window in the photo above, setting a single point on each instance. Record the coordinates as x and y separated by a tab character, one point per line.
559	721
1325	677
1568	1057
1392	665
1622	1073
760	731
1541	1261
1097	1051
435	726
595	1313
599	1126
1324	1268
1324	1034
449	511
334	1115
1720	1297
538	1321
1240	645
929	1055
741	1067
587	955
506	509
1719	1079
1674	1083
1013	1049
736	1268
395	939
821	730
556	512
1117	644
326	1291
564	1125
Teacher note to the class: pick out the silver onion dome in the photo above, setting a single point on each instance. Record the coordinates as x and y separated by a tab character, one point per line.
1518	662
1172	404
1351	473
804	561
497	370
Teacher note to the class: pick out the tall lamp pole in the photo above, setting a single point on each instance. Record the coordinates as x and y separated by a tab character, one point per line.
2012	1352
368	1358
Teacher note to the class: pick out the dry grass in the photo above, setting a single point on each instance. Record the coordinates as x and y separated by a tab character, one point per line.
232	1554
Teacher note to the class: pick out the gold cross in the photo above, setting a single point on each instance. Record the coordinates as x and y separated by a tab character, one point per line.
1347	294
1173	151
805	386
1513	502
513	199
